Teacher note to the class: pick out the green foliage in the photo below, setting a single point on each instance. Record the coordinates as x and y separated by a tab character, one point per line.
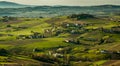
80	42
3	52
81	16
7	19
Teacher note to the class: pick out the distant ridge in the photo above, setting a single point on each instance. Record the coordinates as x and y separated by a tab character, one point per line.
6	4
106	6
21	10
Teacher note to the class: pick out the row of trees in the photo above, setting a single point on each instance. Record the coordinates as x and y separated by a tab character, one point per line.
7	19
81	16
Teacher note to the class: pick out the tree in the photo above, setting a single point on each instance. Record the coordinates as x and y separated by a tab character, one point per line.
8	25
81	16
7	18
3	52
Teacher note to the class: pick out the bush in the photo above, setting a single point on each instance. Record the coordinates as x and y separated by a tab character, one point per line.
3	52
43	57
9	25
81	16
7	19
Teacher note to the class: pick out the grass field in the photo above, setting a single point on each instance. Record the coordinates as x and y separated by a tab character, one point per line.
80	48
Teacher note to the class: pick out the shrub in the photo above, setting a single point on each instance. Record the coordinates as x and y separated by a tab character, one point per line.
3	52
81	16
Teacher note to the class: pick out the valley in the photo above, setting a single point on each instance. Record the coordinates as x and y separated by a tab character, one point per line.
80	39
34	35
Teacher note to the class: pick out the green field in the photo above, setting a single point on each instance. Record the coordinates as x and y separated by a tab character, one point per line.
59	41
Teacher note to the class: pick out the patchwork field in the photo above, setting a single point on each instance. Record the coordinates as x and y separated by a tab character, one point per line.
63	40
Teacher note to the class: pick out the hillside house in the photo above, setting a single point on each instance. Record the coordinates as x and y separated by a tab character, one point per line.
104	51
54	54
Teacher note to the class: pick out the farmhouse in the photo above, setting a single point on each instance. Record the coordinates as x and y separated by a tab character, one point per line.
54	54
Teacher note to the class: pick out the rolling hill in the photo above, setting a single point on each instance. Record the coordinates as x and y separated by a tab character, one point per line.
59	35
5	4
19	10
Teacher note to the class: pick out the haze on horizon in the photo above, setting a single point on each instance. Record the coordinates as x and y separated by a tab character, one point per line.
67	2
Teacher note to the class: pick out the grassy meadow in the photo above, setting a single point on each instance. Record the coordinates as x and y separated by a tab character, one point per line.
60	41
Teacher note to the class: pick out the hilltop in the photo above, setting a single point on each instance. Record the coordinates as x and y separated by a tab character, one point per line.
6	4
52	11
